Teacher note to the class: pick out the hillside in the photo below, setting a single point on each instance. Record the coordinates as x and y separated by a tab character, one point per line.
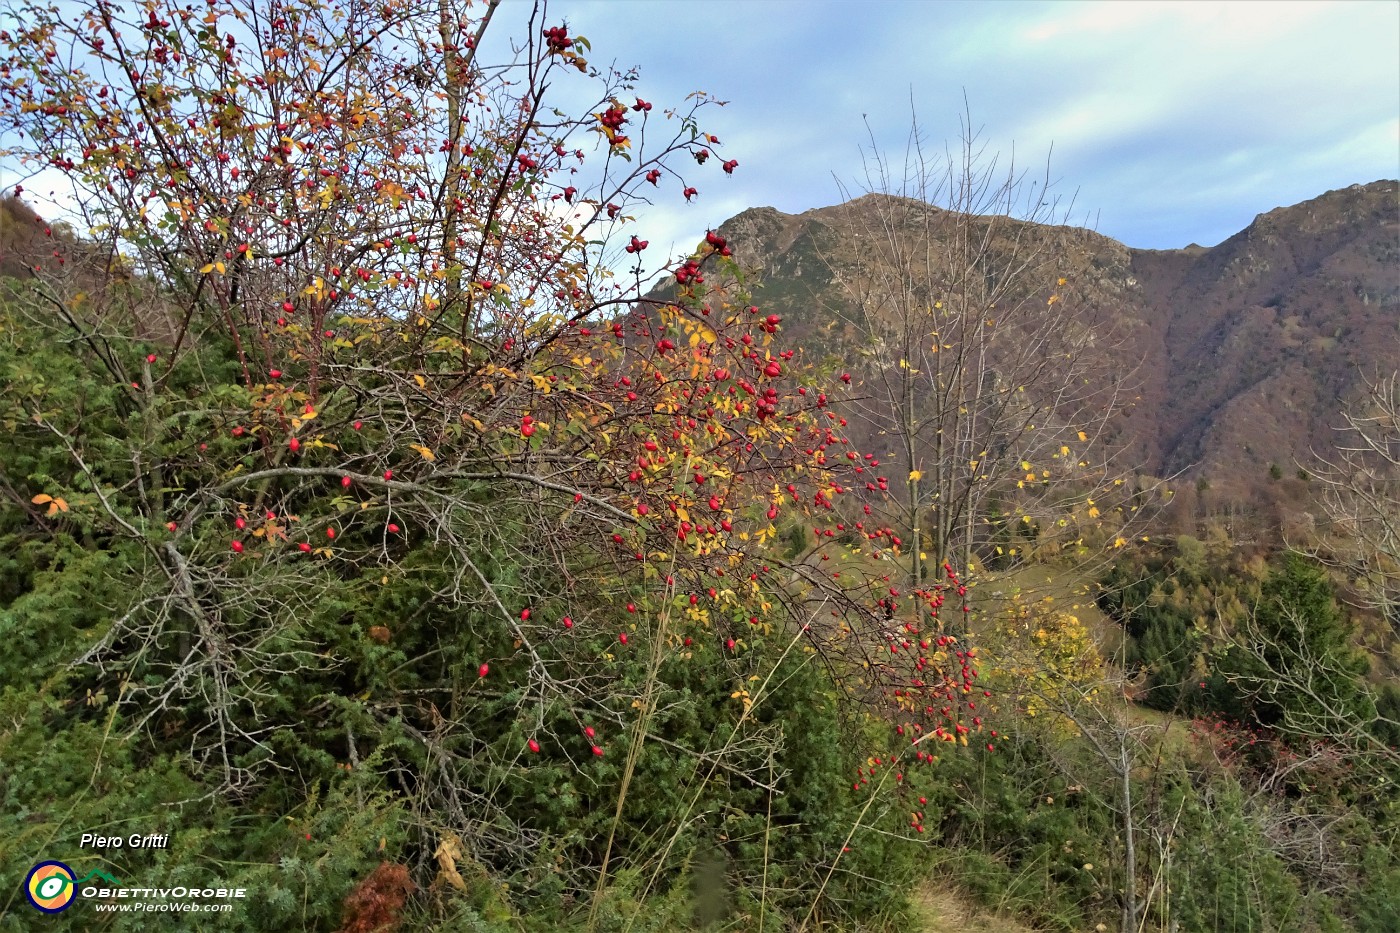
1245	351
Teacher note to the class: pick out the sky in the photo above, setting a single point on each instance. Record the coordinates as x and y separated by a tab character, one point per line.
1165	123
1162	123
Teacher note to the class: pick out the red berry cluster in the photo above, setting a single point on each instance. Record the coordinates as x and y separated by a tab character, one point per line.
614	117
689	273
717	243
557	37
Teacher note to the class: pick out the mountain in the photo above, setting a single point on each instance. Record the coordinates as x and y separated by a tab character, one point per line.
1245	351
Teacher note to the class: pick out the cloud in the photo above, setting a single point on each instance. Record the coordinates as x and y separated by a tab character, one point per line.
1155	111
1169	122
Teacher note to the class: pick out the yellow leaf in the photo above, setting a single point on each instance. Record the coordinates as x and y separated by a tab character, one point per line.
915	475
427	454
1083	436
220	267
1064	451
206	268
422	383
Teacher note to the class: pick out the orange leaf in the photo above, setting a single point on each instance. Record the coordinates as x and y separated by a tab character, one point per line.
40	499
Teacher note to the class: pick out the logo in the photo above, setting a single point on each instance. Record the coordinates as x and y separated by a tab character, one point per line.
50	887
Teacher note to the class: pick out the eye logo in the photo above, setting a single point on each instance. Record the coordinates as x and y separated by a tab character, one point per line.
50	887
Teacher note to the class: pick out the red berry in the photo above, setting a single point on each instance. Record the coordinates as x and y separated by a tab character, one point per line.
239	523
524	615
588	731
304	546
622	637
345	481
238	547
330	532
357	425
294	444
534	746
568	622
598	750
388	474
150	358
171	525
275	373
483	670
393	529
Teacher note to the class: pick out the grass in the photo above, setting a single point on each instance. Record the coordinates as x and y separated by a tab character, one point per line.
941	909
1070	590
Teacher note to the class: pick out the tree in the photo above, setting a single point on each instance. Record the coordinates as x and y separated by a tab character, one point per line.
1360	493
392	496
1292	667
995	386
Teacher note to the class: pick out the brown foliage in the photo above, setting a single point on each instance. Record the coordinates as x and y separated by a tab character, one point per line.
374	904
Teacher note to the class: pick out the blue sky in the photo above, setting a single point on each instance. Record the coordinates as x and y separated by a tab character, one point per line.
1171	123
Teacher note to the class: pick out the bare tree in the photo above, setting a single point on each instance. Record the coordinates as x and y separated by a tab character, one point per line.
1319	694
1360	491
995	387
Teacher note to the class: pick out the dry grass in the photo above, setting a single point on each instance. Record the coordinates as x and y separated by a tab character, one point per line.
942	910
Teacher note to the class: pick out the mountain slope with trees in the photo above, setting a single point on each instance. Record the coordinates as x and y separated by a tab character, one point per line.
1241	354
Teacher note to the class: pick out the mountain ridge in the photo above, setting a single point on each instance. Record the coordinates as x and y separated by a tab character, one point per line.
1246	351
